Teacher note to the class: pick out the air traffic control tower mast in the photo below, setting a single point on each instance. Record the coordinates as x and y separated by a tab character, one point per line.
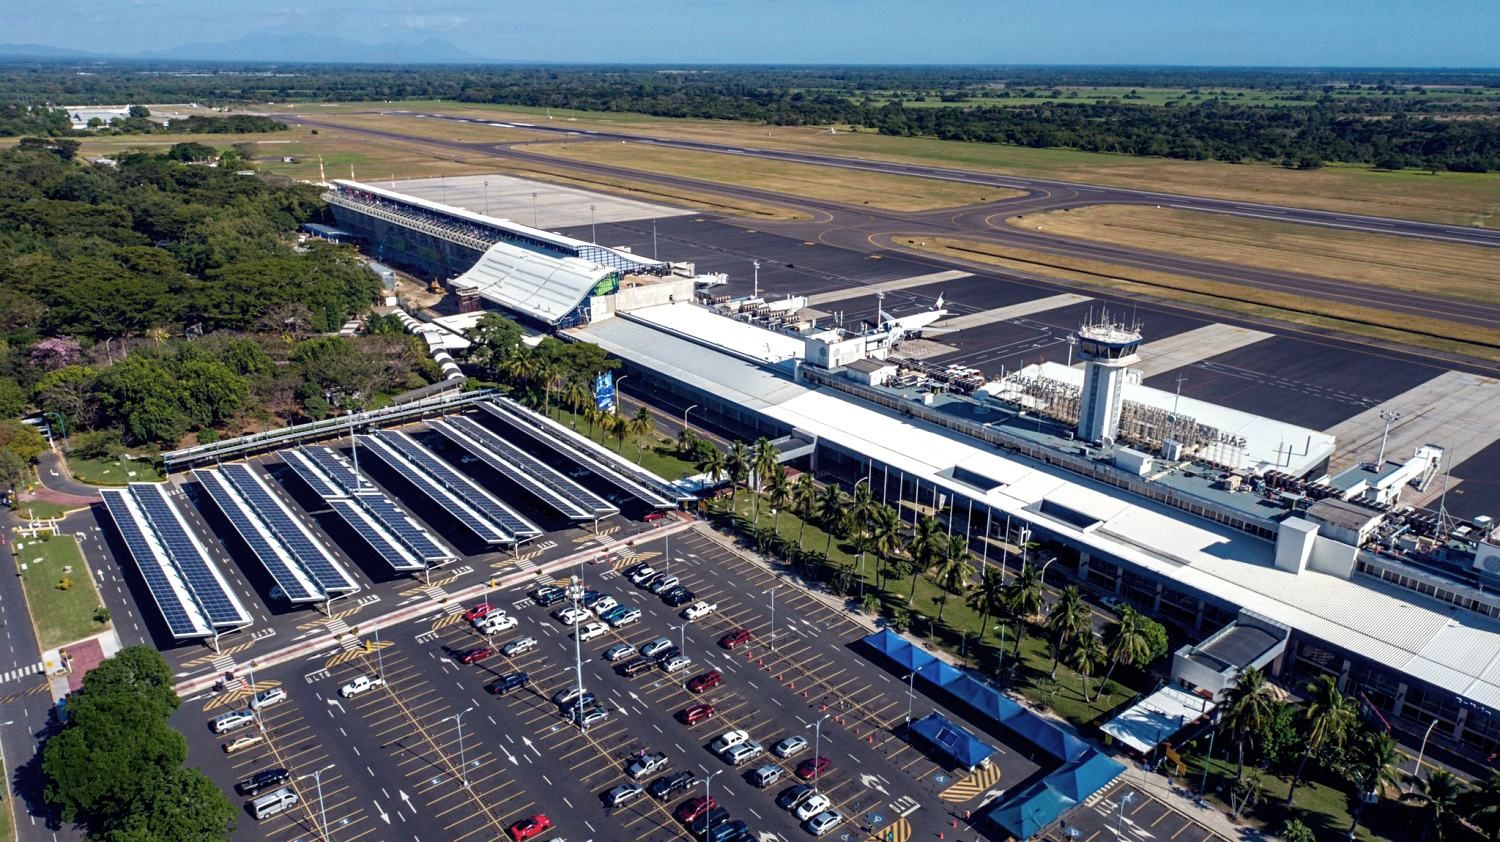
1108	350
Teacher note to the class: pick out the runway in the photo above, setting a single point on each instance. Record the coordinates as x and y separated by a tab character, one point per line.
868	230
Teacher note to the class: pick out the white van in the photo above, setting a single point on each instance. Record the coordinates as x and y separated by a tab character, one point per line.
273	803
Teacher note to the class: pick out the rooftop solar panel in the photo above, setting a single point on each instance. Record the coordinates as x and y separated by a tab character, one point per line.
295	586
187	554
417	539
643	489
335	466
535	471
183	619
311	555
382	542
461	485
487	531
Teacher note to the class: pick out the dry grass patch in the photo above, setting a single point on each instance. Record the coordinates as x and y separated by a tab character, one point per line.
1368	322
852	187
1438	268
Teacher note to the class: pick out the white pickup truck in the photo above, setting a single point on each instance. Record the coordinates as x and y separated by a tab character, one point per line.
360	685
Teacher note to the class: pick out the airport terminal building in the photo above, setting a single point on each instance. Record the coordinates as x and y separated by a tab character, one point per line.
1195	546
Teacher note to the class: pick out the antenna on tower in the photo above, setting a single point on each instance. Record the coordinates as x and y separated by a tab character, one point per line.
1446	522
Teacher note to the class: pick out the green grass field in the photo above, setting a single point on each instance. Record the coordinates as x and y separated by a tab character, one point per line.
61	615
113	472
659	456
42	510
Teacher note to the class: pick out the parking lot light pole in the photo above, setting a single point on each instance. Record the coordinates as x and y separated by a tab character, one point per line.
458	720
817	748
708	799
772	592
685	415
911	693
578	651
1417	771
1120	823
681	637
322	808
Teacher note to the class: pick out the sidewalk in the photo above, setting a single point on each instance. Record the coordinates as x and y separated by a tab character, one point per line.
1163	789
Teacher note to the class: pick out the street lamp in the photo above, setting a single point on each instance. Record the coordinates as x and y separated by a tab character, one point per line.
911	691
458	721
685	415
533	210
1120	824
708	799
322	808
681	636
593	231
578	650
864	479
772	592
619	392
756	290
817	748
1417	772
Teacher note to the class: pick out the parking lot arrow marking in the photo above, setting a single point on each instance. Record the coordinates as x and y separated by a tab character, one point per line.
405	798
385	817
872	782
509	756
527	742
337	704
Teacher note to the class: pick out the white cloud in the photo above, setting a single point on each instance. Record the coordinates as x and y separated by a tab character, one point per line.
432	23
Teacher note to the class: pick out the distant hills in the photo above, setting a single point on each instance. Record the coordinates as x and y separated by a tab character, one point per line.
273	48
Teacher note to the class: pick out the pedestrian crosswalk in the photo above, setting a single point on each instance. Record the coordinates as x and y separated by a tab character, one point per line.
22	672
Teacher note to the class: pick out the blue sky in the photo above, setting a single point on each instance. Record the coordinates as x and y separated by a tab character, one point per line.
1452	33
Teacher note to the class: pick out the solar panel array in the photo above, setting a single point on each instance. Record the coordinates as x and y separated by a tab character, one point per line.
295	585
323	468
542	480
649	491
184	619
459	484
273	513
310	474
489	532
206	583
383	543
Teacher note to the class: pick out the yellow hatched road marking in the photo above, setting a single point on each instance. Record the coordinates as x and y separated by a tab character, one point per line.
976	784
899	831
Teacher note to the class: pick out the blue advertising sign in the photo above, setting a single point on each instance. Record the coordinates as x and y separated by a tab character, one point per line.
604	392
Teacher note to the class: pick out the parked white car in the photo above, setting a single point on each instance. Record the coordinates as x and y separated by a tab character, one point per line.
360	685
495	623
728	740
591	631
699	609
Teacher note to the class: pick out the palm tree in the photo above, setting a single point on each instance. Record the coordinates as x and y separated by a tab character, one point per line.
1086	654
738	464
804	497
1326	718
1025	600
1439	792
924	549
830	509
1246	710
779	493
687	441
885	536
1069	619
762	464
713	464
1485	806
577	395
641	426
954	571
1127	642
989	598
859	520
1376	759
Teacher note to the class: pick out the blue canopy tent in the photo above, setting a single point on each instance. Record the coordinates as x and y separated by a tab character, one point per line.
899	649
1046	736
1029	812
983	698
939	673
1089	775
954	741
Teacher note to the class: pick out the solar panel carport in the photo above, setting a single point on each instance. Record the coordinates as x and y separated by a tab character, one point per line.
189	591
542	480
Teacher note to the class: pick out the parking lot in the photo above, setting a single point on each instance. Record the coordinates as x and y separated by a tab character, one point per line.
435	754
1126	812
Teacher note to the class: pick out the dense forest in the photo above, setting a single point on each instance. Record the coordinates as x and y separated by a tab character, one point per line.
1299	118
155	298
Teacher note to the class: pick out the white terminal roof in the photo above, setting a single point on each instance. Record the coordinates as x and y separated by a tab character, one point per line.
732	335
538	285
1270	444
1155	718
1451	648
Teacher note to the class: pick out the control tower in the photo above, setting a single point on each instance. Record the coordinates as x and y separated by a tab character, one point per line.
1107	349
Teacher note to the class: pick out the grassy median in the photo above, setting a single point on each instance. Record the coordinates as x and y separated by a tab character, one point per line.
59	590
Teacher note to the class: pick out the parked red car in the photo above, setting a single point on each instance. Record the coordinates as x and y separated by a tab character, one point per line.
693	808
738	637
477	612
812	767
475	655
529	827
706	681
694	714
652	517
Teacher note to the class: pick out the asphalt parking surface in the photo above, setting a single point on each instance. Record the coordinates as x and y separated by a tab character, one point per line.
395	751
1124	812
